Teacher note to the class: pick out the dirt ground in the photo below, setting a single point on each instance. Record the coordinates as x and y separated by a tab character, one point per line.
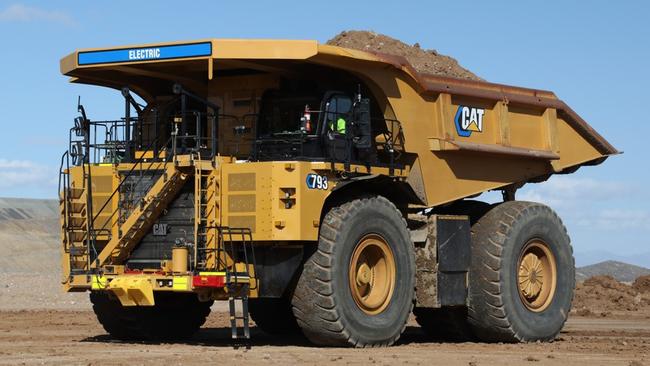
55	337
610	325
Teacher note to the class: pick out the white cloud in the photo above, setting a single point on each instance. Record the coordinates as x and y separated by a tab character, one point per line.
590	203
616	219
566	192
24	13
16	174
13	164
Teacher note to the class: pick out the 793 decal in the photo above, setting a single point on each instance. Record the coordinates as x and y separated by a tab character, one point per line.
315	181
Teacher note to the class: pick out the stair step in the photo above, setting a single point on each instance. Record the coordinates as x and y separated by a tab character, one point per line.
244	318
76	193
77	250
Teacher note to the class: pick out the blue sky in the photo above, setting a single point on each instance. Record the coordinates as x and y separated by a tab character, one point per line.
594	55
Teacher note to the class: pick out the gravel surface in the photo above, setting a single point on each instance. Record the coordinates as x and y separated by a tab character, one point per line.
32	291
74	338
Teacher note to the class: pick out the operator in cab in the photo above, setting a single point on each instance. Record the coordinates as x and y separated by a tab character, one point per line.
338	108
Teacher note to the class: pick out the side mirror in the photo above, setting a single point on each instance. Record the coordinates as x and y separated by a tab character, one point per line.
79	126
361	119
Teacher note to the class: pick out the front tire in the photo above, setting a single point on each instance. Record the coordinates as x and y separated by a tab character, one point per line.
357	288
522	274
173	317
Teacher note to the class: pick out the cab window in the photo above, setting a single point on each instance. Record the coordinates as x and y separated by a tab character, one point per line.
337	113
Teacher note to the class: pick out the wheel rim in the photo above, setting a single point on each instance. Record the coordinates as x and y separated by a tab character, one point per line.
537	275
372	274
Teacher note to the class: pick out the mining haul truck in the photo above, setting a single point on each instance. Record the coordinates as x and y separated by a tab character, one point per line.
320	190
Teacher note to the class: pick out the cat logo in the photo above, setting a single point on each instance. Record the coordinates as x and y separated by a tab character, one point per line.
160	229
468	120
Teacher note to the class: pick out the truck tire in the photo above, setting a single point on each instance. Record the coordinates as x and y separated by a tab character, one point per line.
450	323
273	315
118	321
522	274
357	288
174	316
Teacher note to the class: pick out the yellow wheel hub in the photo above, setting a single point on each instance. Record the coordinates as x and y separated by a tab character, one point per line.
537	275
372	274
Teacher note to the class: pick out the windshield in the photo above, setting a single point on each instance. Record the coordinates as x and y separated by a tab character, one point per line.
282	114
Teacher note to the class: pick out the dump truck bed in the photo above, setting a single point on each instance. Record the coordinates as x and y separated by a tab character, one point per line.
523	135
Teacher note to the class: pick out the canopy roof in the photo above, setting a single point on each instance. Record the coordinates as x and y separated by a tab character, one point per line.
196	60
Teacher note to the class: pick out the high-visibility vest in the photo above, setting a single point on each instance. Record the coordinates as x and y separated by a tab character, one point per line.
340	125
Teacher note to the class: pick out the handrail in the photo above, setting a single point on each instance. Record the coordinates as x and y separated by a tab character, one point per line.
120	185
63	157
130	172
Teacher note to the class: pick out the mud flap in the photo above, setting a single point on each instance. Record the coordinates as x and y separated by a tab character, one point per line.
443	262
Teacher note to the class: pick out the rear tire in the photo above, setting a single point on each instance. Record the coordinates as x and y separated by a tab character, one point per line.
522	274
119	321
357	288
273	315
174	316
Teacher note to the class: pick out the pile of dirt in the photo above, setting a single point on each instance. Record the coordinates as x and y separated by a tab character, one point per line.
424	61
603	295
642	284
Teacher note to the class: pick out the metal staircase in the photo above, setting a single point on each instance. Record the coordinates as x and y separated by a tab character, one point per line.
74	216
237	243
73	205
206	203
143	216
222	249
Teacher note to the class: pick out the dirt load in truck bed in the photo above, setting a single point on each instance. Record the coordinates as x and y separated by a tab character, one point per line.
423	60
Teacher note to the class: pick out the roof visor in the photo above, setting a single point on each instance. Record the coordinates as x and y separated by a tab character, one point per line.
215	49
137	54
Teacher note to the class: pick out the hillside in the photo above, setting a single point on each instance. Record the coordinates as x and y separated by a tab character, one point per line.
29	235
620	271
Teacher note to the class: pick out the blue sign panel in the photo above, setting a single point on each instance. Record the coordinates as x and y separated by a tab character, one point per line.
145	53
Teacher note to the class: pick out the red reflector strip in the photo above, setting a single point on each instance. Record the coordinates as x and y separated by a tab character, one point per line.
208	281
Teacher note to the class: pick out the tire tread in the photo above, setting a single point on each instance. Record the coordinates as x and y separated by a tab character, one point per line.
314	306
487	312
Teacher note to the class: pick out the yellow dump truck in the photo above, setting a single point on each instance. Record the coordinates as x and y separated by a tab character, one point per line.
319	189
